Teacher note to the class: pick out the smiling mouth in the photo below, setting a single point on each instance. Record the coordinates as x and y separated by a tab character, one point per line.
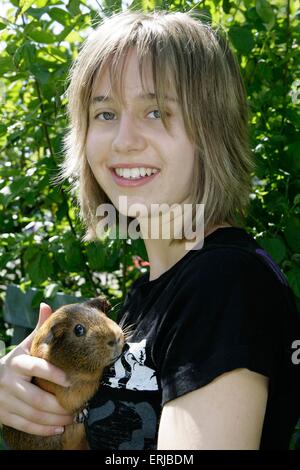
134	173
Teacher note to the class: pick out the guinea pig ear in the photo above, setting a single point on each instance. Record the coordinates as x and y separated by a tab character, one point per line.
49	338
55	332
100	303
43	347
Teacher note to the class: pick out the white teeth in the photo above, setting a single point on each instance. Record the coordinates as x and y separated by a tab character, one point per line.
135	172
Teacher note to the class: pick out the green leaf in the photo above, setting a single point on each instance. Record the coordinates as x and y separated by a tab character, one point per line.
54	196
51	290
4	259
73	7
266	13
292	233
242	39
60	259
227	5
113	259
293	116
251	14
114	5
293	152
96	256
277	202
6	64
148	5
41	3
65	32
3	130
37	12
42	75
59	15
136	5
275	247
26	52
62	210
73	255
25	4
37	298
294	279
297	200
19	184
42	36
38	264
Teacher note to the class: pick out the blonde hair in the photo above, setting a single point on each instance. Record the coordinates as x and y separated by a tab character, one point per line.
211	95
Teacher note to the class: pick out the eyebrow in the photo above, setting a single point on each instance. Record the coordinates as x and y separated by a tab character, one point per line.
140	97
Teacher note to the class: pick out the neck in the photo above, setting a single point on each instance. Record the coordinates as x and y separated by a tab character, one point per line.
162	255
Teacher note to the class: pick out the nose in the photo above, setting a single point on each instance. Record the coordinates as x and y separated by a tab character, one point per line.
117	346
128	137
117	341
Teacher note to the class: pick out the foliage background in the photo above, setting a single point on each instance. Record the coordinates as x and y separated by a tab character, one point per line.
40	234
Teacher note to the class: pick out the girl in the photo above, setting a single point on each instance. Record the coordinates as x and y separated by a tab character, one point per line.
159	116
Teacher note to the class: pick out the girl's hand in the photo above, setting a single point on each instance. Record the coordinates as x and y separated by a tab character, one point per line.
23	405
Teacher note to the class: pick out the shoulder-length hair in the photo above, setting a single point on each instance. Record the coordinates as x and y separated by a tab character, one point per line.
211	95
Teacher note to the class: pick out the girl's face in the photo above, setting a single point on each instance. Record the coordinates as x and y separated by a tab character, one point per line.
130	151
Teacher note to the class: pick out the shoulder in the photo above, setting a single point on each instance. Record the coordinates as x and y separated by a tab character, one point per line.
223	266
236	282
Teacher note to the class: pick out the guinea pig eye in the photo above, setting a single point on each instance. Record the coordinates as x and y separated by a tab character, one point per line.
79	330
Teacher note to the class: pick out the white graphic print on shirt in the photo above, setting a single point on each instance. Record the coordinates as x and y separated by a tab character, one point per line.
130	371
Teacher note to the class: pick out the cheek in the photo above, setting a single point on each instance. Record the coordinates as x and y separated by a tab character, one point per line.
95	146
185	159
91	145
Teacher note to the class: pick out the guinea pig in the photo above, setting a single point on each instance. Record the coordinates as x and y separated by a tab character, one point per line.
81	340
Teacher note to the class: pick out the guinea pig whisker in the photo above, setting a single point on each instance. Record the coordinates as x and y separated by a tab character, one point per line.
128	331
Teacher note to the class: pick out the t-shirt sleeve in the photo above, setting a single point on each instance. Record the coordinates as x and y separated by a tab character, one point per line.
229	312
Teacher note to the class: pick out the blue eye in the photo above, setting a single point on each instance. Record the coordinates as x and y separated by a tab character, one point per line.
79	330
157	112
107	115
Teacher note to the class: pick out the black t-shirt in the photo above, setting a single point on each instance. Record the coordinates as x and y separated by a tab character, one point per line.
219	308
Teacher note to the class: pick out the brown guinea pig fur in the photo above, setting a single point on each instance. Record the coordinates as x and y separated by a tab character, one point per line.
81	340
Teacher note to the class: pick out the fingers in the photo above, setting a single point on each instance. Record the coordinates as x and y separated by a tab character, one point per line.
42	400
35	416
23	424
44	313
32	366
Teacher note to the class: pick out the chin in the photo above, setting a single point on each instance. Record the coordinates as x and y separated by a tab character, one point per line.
133	207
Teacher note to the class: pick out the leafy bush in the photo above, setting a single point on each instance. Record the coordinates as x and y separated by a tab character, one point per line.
40	234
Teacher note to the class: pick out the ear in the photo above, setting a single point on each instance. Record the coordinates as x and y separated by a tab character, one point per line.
100	303
41	346
55	332
49	338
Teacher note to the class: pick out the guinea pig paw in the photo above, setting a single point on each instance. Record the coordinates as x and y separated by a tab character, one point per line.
81	416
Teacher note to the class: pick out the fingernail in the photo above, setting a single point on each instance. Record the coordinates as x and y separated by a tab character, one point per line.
59	430
42	304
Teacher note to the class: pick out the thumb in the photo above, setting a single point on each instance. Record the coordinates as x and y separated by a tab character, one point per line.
44	313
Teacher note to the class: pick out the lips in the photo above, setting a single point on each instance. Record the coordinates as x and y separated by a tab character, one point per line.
133	178
133	165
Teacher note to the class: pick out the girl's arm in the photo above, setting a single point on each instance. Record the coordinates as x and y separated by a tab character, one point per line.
228	413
